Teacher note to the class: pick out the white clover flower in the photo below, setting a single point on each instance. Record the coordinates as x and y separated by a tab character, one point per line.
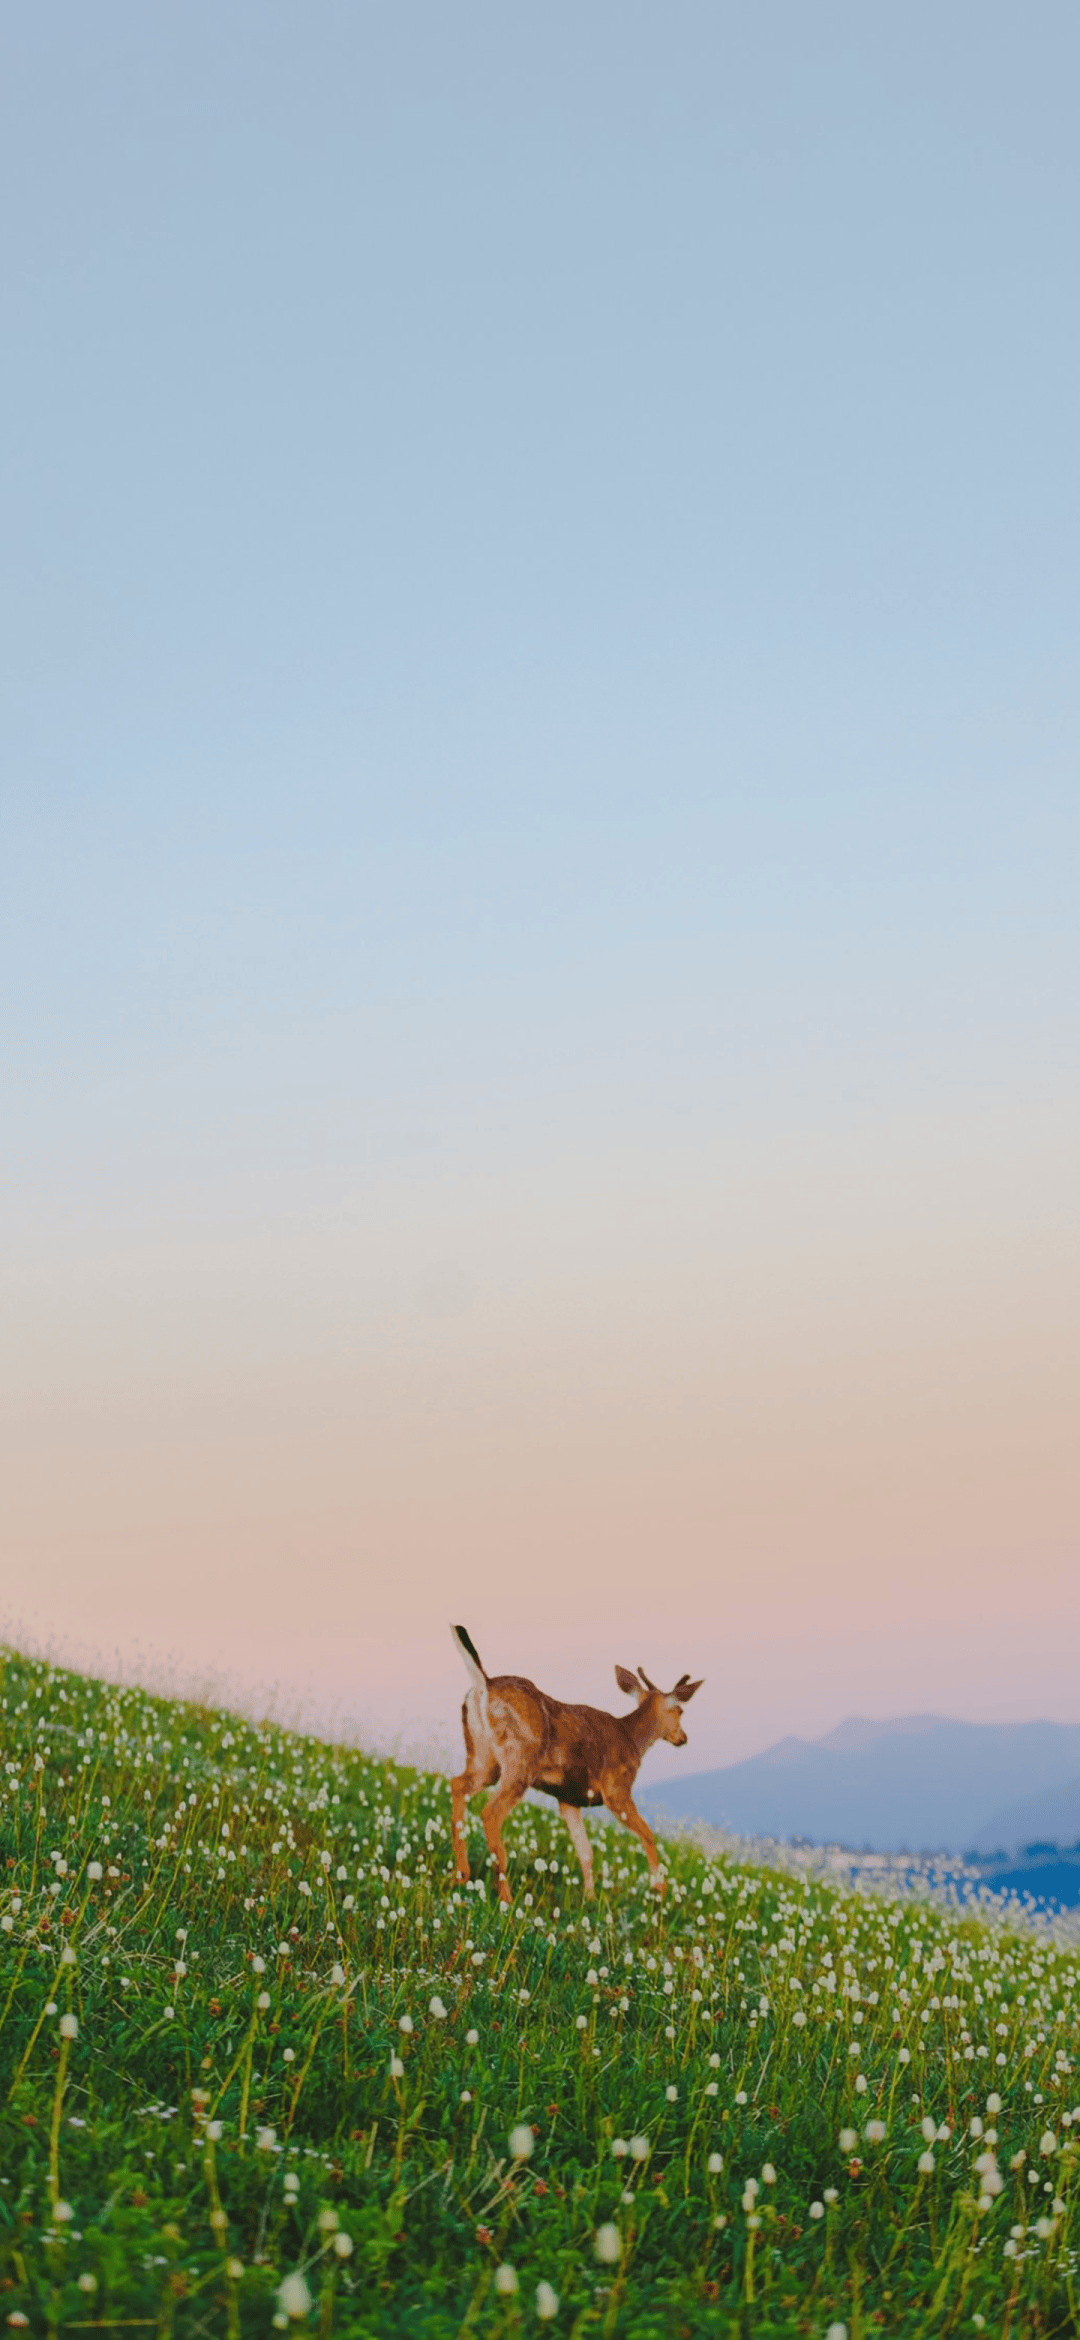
95	1872
817	2209
472	2039
506	2281
849	2138
768	2173
639	2148
581	2022
929	2129
904	2056
328	2222
1048	2143
397	2068
522	2141
258	1965
993	2104
343	2246
436	2008
405	2024
799	2018
860	2084
976	2127
831	2194
874	2132
69	2027
715	2164
234	2268
607	2244
671	2093
288	2055
926	2164
292	2182
619	2148
836	2332
214	2130
88	2283
294	2298
62	2213
263	2001
547	2302
337	1975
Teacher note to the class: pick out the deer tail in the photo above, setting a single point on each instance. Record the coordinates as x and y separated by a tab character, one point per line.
464	1642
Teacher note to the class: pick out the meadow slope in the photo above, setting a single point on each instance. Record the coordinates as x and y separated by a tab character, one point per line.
263	2063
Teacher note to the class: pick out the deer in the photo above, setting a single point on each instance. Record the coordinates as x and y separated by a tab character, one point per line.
517	1737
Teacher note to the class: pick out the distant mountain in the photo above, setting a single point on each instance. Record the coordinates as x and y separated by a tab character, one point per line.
915	1783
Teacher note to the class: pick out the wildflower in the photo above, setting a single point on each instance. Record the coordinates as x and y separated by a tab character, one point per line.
397	2068
265	2140
294	2298
831	2195
904	2056
860	2084
405	2024
63	2212
619	2148
714	2063
607	2244
715	2164
436	2008
234	2268
1048	2143
466	2096
926	2164
213	2130
505	2281
522	2141
263	2001
337	1975
547	2302
849	2138
874	2132
328	2222
799	2018
929	2129
88	2283
639	2148
289	2055
993	2104
94	1872
817	2209
768	2173
472	2039
836	2332
581	2022
740	2096
343	2246
671	2093
69	2027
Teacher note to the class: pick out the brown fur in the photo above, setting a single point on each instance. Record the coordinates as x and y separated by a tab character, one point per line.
517	1737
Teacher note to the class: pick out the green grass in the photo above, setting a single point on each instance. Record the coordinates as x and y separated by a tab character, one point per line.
240	1921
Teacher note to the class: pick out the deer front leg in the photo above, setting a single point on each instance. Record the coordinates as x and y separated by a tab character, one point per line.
625	1809
582	1847
495	1812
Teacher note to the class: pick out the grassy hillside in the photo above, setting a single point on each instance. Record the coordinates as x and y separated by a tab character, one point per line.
264	2064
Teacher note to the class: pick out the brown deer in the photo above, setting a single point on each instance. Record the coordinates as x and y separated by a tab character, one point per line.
518	1737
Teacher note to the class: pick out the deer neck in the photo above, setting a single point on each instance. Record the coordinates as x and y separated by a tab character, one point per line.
644	1726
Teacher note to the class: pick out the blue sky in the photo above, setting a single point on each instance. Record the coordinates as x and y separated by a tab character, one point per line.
540	584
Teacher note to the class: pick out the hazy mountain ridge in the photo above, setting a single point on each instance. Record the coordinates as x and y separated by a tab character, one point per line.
918	1783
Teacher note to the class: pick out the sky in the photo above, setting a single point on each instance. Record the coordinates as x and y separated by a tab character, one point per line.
539	854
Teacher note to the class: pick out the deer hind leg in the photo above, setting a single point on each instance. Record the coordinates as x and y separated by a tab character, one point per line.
582	1847
496	1810
481	1771
622	1804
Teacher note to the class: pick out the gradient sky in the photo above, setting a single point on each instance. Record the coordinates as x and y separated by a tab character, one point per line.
538	867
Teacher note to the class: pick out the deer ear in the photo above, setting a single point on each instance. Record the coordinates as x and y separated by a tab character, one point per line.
684	1690
626	1681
